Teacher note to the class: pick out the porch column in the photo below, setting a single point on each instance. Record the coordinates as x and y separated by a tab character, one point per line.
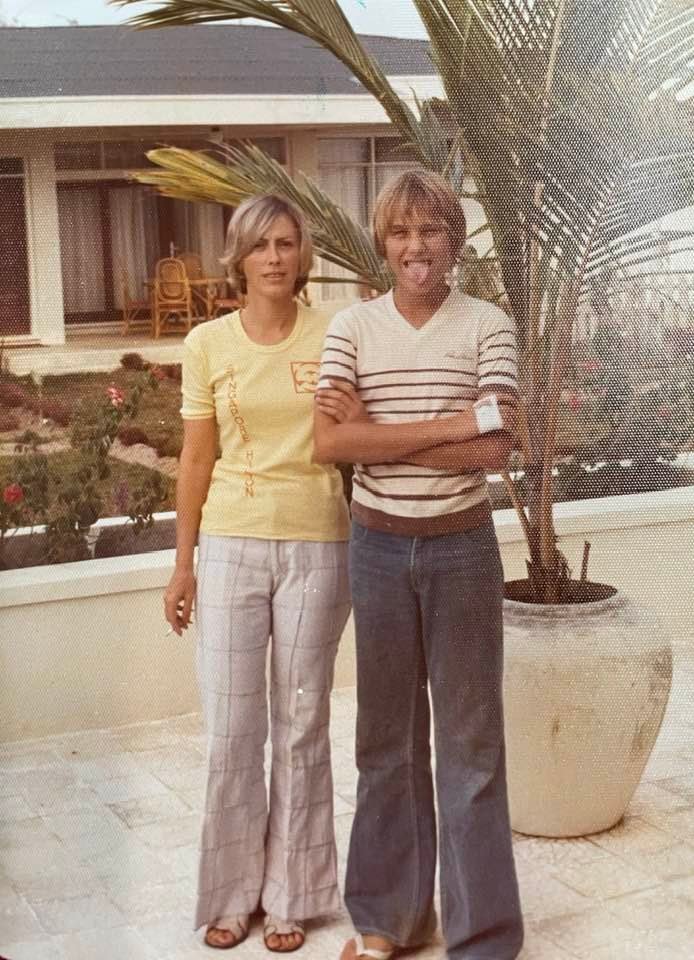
43	236
303	158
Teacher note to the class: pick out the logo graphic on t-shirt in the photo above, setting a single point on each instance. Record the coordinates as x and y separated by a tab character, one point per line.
305	374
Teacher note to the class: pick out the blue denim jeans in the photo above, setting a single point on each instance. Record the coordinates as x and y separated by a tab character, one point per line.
428	617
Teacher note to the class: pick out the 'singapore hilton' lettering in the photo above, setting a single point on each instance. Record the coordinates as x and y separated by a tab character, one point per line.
239	420
234	407
249	476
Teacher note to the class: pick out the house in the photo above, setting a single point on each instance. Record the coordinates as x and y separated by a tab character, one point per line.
79	108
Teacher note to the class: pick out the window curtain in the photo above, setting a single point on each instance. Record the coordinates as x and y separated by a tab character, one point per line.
199	228
387	171
343	172
210	237
81	249
134	240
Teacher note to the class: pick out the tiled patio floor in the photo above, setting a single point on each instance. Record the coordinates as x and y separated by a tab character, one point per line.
98	851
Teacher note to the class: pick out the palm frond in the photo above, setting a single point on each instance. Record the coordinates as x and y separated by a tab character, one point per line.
244	171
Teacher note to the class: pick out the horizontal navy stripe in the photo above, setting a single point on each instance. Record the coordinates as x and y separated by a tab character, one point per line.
496	333
504	345
337	363
416	370
427	396
498	360
416	496
423	383
413	476
337	350
435	410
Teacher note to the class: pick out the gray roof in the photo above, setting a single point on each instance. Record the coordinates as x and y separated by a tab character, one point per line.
210	59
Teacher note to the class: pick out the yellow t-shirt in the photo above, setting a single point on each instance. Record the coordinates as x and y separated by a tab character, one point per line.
264	484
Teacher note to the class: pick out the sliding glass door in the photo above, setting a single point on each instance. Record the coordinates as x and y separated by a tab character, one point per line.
15	312
113	232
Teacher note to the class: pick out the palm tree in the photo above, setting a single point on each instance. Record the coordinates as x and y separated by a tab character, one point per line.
564	115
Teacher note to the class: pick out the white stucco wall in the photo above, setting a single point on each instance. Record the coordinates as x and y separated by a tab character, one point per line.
85	644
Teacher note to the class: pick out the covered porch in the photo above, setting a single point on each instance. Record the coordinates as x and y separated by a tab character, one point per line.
94	349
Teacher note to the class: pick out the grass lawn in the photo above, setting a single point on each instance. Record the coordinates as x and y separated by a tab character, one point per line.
62	465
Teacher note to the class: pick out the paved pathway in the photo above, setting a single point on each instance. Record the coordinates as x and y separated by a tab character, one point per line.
99	832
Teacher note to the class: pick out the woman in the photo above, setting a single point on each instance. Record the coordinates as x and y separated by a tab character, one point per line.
273	530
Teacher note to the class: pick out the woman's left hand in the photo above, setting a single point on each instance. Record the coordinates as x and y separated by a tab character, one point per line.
341	402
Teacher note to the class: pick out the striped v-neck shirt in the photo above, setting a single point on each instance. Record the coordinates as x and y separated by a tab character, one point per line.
402	374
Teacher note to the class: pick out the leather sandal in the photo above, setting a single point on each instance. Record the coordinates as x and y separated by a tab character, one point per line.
361	950
274	927
235	929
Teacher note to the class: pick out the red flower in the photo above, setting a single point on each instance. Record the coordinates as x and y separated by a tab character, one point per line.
157	372
116	396
575	401
663	411
12	494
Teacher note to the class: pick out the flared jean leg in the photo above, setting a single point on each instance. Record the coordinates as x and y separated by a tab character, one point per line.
460	583
389	885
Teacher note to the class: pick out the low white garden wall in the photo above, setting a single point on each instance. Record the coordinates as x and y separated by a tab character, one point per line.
85	645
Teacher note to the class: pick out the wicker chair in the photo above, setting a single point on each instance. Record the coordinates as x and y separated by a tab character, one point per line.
193	264
172	300
135	313
225	304
201	298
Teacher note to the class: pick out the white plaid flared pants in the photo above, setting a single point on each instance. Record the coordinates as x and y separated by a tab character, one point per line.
278	854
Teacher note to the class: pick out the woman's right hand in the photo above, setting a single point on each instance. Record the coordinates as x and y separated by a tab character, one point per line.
179	597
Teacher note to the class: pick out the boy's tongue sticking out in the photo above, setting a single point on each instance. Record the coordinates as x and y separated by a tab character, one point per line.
418	271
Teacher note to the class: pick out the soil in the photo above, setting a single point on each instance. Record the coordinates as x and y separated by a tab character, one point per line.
575	591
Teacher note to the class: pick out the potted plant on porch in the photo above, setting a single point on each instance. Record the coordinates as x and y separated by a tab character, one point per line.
561	118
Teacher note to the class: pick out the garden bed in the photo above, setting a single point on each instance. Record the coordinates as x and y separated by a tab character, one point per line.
143	451
69	395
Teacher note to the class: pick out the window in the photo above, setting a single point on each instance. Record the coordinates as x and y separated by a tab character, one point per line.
78	156
132	154
14	275
352	170
276	147
11	167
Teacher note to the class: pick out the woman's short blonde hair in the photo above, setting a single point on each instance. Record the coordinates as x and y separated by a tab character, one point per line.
422	192
250	221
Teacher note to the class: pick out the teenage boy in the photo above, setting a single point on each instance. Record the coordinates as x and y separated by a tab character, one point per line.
417	390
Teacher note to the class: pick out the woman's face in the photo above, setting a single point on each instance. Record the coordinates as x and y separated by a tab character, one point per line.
272	267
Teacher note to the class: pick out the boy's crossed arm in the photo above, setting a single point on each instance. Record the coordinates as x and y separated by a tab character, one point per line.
343	432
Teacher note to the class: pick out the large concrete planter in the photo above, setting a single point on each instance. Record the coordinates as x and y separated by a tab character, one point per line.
586	686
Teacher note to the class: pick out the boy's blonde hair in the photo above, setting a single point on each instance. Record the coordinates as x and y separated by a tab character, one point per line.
424	192
250	221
